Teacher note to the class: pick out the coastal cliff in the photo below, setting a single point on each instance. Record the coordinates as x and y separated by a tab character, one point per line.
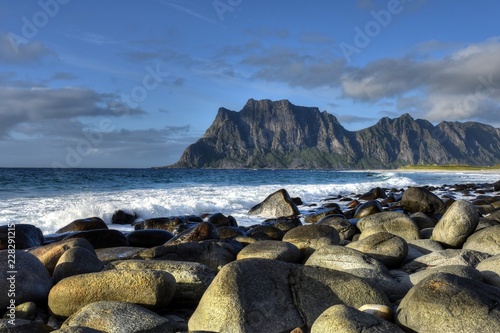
278	134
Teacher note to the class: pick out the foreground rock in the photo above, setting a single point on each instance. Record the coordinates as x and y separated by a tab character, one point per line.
392	222
458	223
119	317
30	282
260	295
447	303
276	205
77	260
271	249
150	288
24	235
485	240
387	248
344	319
192	279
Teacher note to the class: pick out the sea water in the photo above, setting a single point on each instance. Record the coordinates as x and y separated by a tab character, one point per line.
52	198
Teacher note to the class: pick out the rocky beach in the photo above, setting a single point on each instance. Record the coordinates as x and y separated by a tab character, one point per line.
413	259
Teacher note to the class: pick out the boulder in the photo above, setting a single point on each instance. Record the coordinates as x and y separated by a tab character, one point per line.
148	238
445	302
22	274
150	288
101	238
262	295
271	249
458	223
422	220
321	213
343	259
276	205
490	270
214	254
24	235
221	220
77	260
392	222
420	199
91	223
458	270
23	326
309	238
110	254
283	223
444	258
345	228
200	232
382	280
346	319
49	254
172	224
387	248
368	208
485	240
192	279
231	232
373	194
121	217
119	317
268	232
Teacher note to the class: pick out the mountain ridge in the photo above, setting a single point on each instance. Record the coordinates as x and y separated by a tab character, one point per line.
281	135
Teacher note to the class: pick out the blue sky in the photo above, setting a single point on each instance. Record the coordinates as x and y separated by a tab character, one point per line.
87	83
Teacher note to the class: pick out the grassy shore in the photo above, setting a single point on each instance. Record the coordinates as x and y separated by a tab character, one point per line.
450	167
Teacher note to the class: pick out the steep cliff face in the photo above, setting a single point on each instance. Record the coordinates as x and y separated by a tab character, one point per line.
266	134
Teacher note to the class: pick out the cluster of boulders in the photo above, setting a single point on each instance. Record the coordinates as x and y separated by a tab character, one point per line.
390	260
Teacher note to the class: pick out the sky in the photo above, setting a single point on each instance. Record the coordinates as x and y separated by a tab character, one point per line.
101	83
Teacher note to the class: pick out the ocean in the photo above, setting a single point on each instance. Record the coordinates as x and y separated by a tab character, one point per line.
52	198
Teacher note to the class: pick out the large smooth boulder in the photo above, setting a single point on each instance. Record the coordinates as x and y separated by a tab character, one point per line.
77	260
392	222
309	238
23	277
420	199
192	279
149	288
262	295
367	209
24	236
458	223
387	248
458	270
345	319
490	270
271	249
200	232
448	303
49	254
346	229
445	258
91	223
276	205
101	238
119	317
485	240
148	237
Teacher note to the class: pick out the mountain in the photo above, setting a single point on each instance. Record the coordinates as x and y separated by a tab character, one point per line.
267	134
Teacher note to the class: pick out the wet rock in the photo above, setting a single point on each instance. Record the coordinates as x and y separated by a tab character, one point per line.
458	223
271	249
101	238
220	220
77	260
442	303
309	238
276	205
248	296
420	199
151	288
91	223
200	232
118	317
283	223
148	238
192	279
230	232
121	217
485	240
173	224
368	208
348	319
373	194
321	213
30	282
387	248
422	220
49	254
24	235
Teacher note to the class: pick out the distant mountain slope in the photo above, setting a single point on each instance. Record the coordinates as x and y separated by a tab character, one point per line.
267	134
